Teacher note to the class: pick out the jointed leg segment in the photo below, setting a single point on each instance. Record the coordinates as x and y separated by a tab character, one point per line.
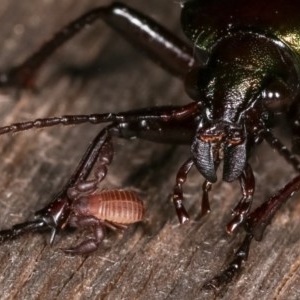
255	225
157	42
178	193
241	211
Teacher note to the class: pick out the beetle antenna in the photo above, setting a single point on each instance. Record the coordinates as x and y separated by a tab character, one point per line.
54	121
72	120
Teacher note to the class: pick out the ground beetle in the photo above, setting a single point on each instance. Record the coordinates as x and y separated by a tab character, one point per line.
242	71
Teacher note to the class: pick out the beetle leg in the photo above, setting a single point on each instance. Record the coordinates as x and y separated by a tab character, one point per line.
293	120
157	42
241	211
255	225
258	220
205	207
86	187
282	150
178	193
233	268
58	218
91	244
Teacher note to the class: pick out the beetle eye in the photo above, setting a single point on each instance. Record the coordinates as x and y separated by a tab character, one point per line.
276	96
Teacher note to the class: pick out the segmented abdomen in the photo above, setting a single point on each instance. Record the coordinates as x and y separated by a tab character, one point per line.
116	206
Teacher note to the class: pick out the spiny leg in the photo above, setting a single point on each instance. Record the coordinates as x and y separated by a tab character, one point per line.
233	267
241	211
255	226
178	198
157	42
281	149
258	220
87	187
178	193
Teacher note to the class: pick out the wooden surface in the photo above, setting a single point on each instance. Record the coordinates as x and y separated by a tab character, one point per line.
157	259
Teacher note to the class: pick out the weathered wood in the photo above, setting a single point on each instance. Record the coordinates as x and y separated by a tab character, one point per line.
157	259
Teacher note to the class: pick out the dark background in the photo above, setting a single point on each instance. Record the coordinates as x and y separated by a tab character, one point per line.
157	259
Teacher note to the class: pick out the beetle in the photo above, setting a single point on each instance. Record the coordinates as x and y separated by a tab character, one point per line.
242	73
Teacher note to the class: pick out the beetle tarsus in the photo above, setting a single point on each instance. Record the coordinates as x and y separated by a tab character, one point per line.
242	209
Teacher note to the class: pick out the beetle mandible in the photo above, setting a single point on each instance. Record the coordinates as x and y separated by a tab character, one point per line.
242	72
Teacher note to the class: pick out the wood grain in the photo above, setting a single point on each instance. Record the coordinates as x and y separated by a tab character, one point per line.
157	259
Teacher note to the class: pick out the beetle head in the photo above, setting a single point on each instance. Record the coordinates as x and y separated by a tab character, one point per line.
220	141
